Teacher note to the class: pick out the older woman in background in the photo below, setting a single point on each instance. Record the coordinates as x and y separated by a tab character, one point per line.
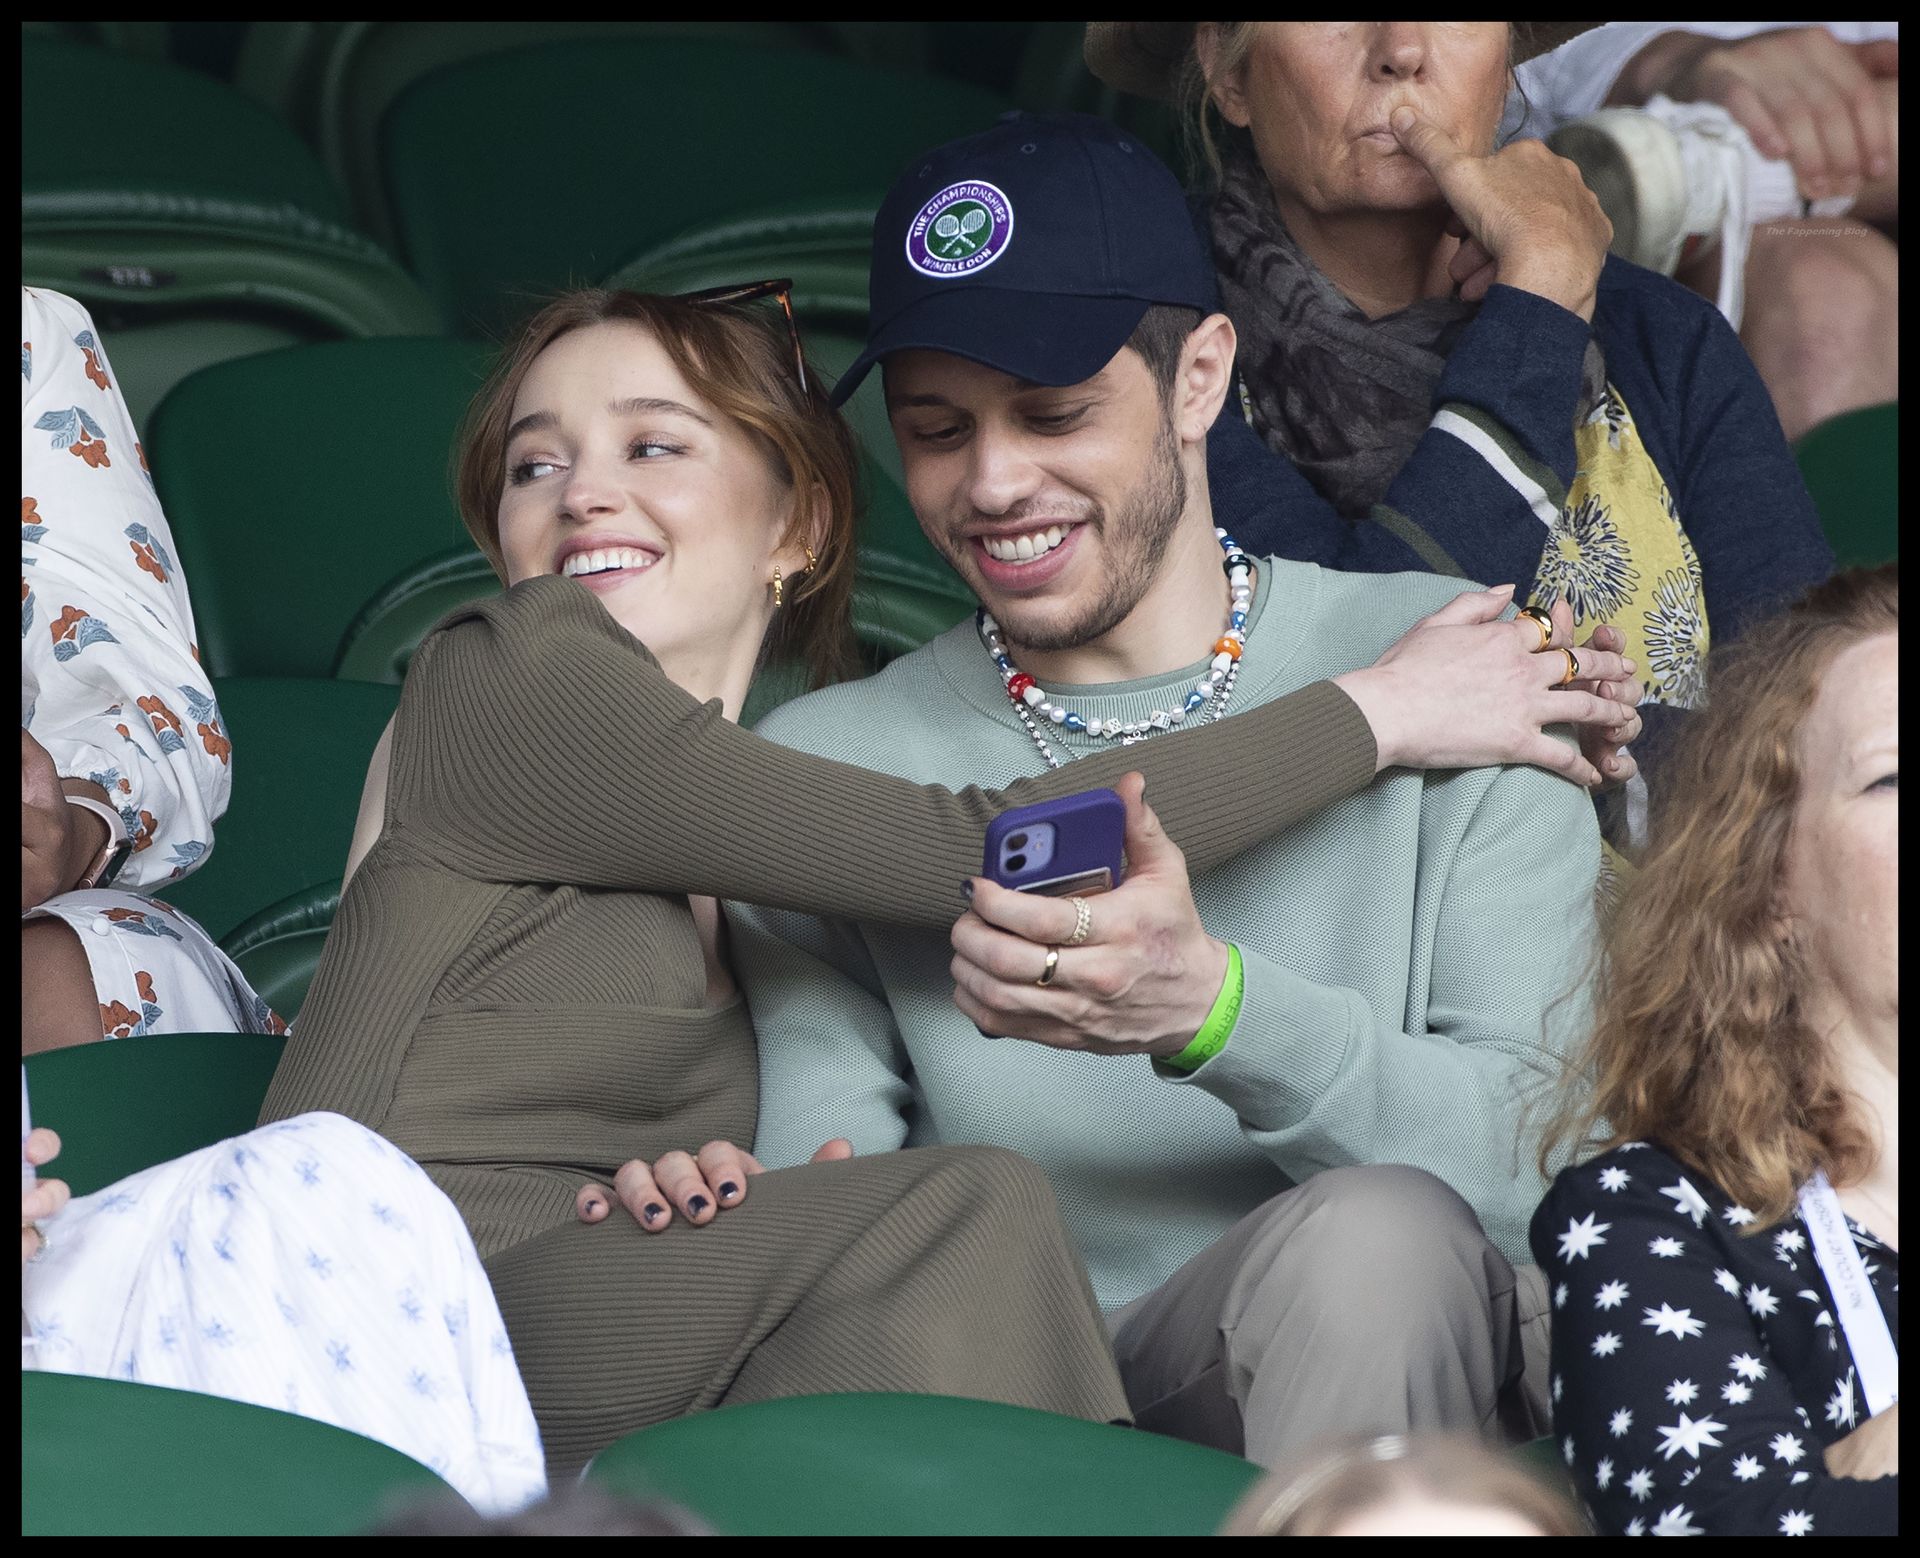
1458	376
1726	1271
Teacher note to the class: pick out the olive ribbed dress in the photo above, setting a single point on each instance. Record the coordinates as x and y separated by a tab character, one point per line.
514	994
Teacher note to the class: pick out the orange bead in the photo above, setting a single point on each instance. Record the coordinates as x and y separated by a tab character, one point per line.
1227	646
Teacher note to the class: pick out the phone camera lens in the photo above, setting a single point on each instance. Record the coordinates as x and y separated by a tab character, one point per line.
1017	841
1016	862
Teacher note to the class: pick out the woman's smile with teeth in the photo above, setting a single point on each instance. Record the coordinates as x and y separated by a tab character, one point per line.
1023	549
605	559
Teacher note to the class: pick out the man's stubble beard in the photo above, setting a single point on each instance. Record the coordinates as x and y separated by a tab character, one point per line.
1135	545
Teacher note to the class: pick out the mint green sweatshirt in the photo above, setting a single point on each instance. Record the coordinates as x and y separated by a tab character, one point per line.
1406	953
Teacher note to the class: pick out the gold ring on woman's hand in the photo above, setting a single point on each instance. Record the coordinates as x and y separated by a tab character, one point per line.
1540	620
1573	669
1053	962
1083	922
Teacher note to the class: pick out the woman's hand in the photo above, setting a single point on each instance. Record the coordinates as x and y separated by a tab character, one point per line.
46	1197
58	841
1462	689
1527	218
1871	1450
701	1184
1606	747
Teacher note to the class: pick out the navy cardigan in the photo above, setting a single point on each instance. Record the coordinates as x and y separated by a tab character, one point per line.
1699	406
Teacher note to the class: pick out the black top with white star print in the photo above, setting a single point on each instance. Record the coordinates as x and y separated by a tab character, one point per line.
1699	1371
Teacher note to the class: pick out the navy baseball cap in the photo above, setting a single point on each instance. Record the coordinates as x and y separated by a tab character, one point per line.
1034	247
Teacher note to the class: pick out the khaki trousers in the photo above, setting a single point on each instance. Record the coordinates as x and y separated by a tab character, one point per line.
1367	1300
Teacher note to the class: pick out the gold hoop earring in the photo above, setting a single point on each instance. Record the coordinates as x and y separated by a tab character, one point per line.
778	599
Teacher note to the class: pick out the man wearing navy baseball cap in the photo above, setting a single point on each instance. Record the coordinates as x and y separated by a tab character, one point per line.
1304	1211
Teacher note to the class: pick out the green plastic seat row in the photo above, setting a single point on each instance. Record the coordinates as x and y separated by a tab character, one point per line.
639	156
192	222
103	1457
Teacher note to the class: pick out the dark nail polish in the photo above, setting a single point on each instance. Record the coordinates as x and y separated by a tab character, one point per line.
729	1190
654	1212
593	1205
966	890
696	1205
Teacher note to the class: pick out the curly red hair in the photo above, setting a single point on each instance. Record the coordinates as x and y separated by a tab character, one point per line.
1699	1042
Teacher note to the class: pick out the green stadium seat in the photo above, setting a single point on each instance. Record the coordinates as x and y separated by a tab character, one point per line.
147	38
300	754
380	641
105	1457
279	948
137	200
127	1104
1851	465
282	563
899	1465
334	81
495	208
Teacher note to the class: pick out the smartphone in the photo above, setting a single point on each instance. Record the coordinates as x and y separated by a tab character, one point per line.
1072	846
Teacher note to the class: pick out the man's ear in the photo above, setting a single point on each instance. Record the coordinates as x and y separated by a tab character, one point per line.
1228	91
1204	378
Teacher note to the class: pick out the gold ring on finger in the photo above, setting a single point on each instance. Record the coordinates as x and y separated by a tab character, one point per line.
1573	669
1053	963
1083	922
1542	621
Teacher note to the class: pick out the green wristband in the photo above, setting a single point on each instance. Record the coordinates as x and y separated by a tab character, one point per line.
1218	1028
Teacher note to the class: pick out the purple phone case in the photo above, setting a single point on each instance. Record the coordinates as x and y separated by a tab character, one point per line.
1089	835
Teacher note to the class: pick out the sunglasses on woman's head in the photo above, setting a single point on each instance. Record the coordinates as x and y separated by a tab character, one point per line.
752	291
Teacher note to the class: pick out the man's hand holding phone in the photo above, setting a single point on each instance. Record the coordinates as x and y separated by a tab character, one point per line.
1141	983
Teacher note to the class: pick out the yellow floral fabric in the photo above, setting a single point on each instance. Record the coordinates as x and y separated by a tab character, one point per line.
1618	553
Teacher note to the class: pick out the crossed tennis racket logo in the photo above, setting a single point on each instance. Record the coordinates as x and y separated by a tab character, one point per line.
954	232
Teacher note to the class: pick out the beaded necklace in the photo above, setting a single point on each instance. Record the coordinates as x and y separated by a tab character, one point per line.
1206	702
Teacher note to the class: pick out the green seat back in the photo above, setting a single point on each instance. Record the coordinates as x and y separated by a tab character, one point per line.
186	251
127	1104
659	136
278	949
282	554
381	639
334	81
899	1465
108	1458
300	753
1851	465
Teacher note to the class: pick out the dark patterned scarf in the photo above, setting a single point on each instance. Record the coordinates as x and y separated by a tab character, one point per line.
1345	397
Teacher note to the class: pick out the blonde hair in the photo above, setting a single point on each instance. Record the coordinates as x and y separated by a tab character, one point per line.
1699	1041
740	362
1315	1498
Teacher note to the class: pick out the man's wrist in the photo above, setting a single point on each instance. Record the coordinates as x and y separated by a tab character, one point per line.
1213	1033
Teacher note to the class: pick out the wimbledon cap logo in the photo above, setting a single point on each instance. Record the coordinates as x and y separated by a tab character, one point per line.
963	229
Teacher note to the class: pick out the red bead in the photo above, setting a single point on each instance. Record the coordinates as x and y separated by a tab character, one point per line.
1227	646
1018	685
